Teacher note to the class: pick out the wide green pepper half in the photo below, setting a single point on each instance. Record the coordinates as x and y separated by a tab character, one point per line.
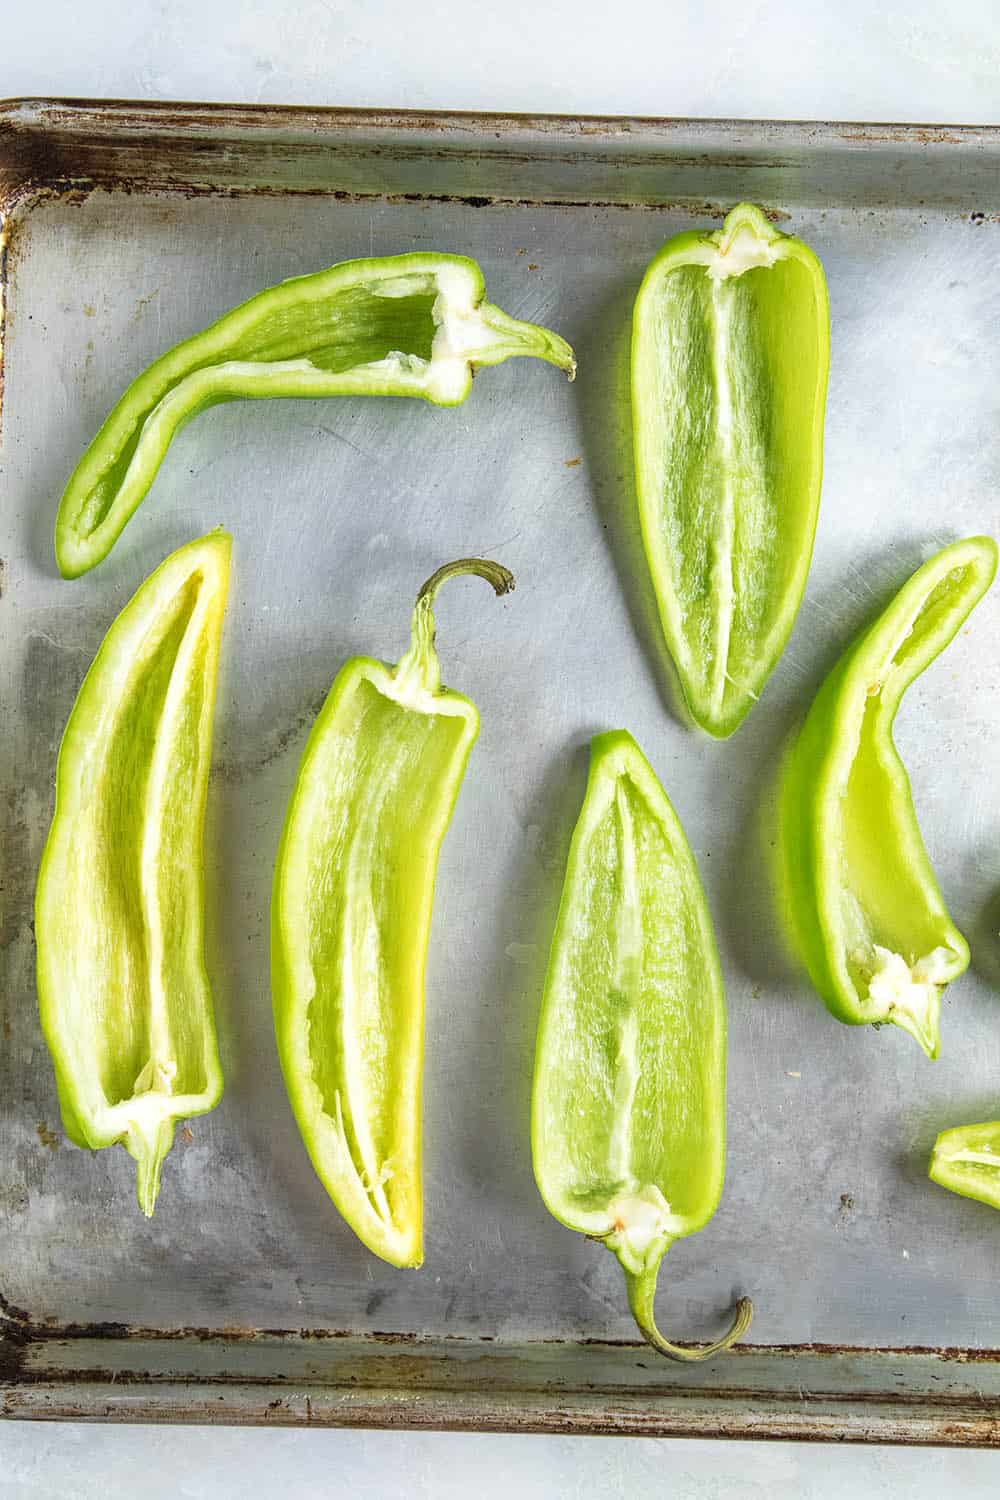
350	922
966	1160
400	325
730	353
866	911
628	1117
119	915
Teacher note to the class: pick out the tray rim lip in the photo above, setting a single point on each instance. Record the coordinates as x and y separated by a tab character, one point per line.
653	1412
258	117
237	1394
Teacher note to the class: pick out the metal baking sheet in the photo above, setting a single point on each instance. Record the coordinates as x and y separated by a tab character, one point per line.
128	227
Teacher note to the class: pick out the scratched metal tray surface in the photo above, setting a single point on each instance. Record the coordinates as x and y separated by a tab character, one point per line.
128	227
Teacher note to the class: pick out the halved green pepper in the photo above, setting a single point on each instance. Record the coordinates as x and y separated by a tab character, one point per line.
966	1160
119	914
730	353
866	911
350	921
399	325
628	1119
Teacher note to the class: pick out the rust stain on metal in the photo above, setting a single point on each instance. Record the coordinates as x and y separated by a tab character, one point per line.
411	1382
903	135
13	1317
490	1413
79	193
856	1351
6	229
14	1336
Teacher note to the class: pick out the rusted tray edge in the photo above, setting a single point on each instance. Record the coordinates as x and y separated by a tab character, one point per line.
792	1415
106	114
255	148
780	1392
448	1411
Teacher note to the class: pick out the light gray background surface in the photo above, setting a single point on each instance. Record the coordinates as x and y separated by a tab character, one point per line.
919	61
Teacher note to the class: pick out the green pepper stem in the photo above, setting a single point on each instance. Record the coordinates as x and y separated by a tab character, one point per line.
419	667
149	1143
501	578
641	1293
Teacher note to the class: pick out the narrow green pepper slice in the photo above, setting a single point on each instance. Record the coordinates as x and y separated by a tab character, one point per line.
865	908
629	1106
399	325
350	921
119	913
730	353
966	1160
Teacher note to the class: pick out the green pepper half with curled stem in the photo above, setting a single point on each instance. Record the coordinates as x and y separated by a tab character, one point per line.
350	922
730	353
119	911
398	325
628	1118
866	912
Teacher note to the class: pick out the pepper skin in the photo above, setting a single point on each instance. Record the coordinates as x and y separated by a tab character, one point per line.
403	325
866	911
119	914
350	921
730	353
629	1103
966	1160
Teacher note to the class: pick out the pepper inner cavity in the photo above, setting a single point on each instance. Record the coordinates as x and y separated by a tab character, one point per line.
891	946
726	461
378	782
138	1007
357	327
614	1161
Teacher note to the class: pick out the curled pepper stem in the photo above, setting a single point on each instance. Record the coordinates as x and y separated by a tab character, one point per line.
419	668
500	578
641	1292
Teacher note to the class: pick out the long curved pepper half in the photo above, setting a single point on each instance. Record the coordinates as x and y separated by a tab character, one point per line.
730	352
119	911
866	912
350	922
398	325
628	1116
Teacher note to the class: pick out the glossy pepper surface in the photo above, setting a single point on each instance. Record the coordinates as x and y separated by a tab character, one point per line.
629	1106
402	325
866	911
125	1002
350	922
730	352
966	1160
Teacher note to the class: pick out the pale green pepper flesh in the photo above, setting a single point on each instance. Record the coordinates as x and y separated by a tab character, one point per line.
628	1108
966	1160
730	354
866	912
124	997
350	923
403	325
